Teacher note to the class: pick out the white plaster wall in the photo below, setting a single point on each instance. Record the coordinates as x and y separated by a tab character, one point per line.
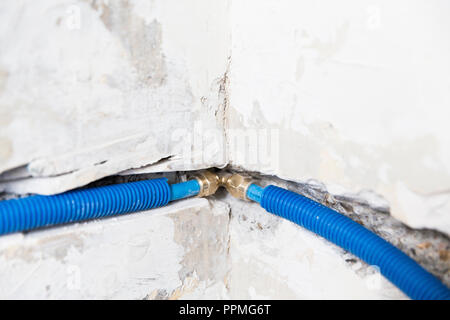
353	93
165	253
93	88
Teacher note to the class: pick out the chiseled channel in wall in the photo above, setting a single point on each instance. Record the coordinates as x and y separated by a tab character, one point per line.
38	211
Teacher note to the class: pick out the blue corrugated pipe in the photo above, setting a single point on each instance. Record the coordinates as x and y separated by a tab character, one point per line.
396	266
40	211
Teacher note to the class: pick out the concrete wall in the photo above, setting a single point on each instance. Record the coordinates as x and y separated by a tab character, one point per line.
355	94
348	98
93	88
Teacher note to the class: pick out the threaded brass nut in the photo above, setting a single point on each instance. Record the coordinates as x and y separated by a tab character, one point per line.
209	183
237	185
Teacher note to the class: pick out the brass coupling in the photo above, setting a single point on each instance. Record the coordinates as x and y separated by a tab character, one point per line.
209	183
236	184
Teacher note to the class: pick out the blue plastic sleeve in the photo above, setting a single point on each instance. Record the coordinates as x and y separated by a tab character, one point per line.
254	192
40	211
185	189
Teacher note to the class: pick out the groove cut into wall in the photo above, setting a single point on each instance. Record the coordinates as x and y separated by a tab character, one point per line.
218	247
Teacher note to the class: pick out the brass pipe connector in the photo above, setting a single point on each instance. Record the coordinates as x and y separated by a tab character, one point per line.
209	183
236	184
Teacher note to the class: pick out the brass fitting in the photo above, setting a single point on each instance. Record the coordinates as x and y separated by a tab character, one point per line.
209	183
237	185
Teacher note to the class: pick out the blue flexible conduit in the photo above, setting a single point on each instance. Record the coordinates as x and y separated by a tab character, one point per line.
184	189
40	211
396	266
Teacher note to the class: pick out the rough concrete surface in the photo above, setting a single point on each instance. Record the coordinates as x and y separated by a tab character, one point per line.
347	103
92	88
163	253
341	95
351	93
